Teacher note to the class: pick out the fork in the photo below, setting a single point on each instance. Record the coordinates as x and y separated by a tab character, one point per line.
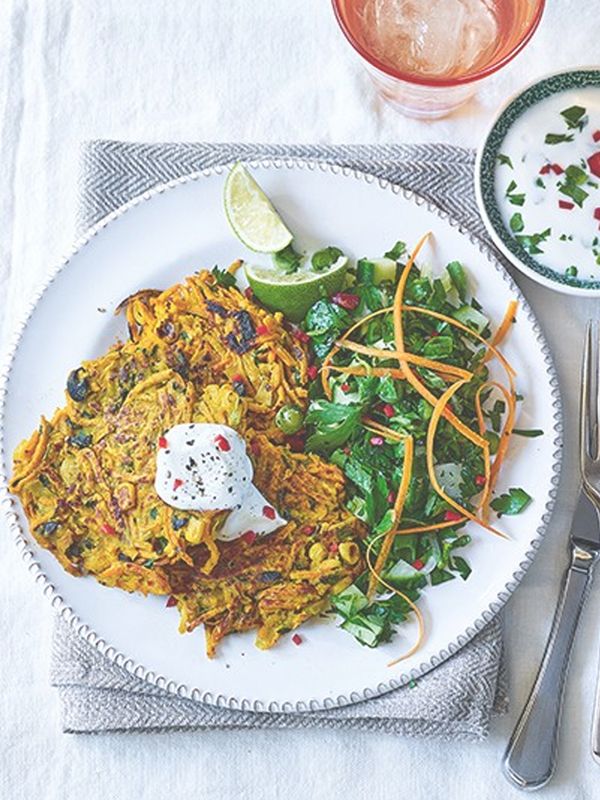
530	758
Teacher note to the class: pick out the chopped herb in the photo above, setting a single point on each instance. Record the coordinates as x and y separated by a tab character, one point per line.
516	222
325	258
558	138
539	182
397	250
504	160
287	260
571	272
531	433
517	199
458	278
223	278
512	503
575	117
531	242
575	174
575	192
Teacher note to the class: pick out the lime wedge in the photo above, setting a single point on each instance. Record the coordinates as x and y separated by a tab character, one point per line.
251	214
293	294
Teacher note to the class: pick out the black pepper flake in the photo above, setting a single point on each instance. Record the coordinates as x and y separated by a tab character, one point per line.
270	576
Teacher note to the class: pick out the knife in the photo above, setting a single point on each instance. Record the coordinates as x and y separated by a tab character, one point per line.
531	754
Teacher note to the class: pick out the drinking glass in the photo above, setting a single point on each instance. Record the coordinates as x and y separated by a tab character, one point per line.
427	57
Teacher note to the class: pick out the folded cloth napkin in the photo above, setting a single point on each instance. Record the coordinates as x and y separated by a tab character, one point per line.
453	701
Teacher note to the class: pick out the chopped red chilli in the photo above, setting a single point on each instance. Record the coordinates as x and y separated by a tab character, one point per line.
249	537
108	529
388	410
222	443
268	512
418	564
597	213
162	441
594	164
172	601
557	169
566	204
480	480
596	136
262	330
297	639
177	483
312	372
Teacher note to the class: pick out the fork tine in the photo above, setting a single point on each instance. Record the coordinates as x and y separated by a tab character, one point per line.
589	396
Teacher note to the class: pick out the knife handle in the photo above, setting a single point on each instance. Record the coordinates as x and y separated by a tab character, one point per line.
596	724
530	758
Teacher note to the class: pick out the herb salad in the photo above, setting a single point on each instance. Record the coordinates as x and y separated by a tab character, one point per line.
364	415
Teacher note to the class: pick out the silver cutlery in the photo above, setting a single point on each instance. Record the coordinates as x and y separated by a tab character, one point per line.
530	758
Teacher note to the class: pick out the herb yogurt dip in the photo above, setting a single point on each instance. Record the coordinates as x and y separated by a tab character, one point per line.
548	182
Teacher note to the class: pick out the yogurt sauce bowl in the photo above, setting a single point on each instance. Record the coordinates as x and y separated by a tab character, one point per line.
537	181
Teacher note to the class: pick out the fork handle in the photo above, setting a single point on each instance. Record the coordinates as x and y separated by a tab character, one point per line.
530	757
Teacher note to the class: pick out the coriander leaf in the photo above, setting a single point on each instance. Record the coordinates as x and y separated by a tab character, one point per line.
512	503
365	271
531	433
539	182
350	601
368	629
325	258
223	278
397	250
558	138
575	117
505	160
575	192
287	260
516	222
332	424
575	174
511	187
458	277
438	347
531	242
461	566
516	199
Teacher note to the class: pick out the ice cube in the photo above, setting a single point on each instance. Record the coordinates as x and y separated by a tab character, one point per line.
430	37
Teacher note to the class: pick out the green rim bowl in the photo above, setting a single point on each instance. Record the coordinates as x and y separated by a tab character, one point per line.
485	176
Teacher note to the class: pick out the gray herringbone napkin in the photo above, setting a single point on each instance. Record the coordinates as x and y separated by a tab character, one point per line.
453	701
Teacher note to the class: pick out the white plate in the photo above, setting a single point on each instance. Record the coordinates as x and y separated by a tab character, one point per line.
155	241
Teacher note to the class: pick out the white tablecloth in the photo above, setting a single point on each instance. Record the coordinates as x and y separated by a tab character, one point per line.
248	70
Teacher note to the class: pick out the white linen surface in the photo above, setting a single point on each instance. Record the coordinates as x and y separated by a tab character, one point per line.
245	70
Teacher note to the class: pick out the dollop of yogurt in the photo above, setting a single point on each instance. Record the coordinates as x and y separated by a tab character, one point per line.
203	466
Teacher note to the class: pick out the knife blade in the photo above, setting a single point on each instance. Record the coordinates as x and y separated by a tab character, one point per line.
585	527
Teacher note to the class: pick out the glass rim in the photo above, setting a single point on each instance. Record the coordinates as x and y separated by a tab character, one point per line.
409	77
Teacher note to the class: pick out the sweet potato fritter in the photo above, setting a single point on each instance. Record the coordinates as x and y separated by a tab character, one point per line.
198	352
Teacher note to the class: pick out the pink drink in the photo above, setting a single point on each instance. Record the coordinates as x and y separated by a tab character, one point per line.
427	55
